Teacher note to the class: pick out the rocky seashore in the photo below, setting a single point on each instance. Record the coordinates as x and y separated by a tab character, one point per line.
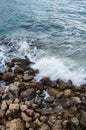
27	104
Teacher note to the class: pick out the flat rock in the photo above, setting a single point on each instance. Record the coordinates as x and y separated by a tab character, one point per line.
3	106
44	127
49	99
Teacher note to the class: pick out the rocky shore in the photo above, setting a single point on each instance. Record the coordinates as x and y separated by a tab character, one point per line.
26	104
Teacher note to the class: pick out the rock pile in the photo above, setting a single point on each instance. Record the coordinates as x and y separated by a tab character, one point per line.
26	104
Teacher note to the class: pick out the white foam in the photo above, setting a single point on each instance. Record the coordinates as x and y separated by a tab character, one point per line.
57	68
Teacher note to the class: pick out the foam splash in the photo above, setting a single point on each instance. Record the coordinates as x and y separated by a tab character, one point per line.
56	68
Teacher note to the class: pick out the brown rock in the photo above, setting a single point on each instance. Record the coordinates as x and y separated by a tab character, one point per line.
29	112
18	70
29	93
63	85
9	76
37	123
83	119
16	59
67	92
3	106
49	99
57	125
53	84
25	117
28	78
23	107
27	125
45	81
2	114
65	124
52	91
15	124
22	86
44	127
59	95
77	100
2	127
14	107
43	119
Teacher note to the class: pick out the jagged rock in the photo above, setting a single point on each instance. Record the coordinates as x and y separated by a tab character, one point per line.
16	59
28	93
3	106
9	64
27	125
29	112
57	125
9	76
23	107
22	86
44	127
49	99
14	91
15	124
37	123
43	119
25	117
18	70
28	78
14	107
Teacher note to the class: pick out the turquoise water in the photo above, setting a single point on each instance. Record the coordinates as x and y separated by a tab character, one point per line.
51	33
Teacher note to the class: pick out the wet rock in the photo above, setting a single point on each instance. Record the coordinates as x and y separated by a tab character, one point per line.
3	106
28	78
77	100
83	119
57	125
53	84
9	76
49	99
25	117
44	127
15	124
52	91
24	63
63	85
45	81
75	121
18	70
28	93
16	59
23	107
67	92
9	64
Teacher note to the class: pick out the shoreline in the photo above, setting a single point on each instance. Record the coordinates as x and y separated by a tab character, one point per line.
27	104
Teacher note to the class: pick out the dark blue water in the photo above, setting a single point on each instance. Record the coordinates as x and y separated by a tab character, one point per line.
52	33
